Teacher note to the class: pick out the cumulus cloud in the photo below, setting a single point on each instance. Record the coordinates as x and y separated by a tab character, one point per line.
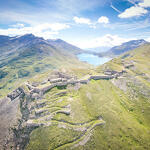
133	11
82	20
145	3
148	39
18	25
45	30
87	21
107	40
103	19
136	10
53	26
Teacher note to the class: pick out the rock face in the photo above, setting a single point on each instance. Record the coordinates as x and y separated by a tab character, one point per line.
14	112
16	93
110	72
101	77
9	116
128	66
56	80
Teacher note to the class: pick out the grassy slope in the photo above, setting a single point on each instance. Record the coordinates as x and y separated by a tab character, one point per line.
126	112
32	65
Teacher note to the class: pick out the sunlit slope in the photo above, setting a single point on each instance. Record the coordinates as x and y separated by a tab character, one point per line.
103	114
23	57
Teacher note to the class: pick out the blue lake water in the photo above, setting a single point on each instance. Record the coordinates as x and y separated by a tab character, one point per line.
93	59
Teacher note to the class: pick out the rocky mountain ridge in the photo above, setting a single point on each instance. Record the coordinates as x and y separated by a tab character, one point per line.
11	44
124	47
117	50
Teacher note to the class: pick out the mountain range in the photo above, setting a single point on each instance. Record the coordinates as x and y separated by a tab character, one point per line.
51	100
10	45
24	56
127	46
124	47
106	107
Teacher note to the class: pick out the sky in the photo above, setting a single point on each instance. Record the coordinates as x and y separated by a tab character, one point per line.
84	23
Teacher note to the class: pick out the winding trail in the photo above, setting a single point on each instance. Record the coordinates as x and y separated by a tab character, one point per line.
81	137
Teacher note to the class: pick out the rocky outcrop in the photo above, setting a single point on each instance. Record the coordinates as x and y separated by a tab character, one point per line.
128	66
61	93
110	72
16	93
35	84
59	76
101	77
84	81
14	112
9	116
56	80
22	131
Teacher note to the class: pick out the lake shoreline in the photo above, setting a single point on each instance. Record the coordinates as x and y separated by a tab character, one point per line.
93	59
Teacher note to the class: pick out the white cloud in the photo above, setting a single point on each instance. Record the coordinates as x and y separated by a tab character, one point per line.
136	10
82	20
148	39
45	30
145	3
103	19
50	10
53	26
130	26
18	25
133	11
107	40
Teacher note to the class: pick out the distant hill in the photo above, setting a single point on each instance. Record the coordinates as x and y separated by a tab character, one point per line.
9	45
58	43
99	49
125	47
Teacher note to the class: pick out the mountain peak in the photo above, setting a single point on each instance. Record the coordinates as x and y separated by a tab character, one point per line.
59	40
27	36
55	40
136	41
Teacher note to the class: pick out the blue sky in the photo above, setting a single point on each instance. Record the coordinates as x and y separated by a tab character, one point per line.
84	23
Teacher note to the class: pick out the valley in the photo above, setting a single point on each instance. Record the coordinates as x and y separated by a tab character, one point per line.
77	106
28	55
74	75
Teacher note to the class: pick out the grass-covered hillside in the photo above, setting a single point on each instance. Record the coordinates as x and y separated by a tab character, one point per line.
25	56
103	114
